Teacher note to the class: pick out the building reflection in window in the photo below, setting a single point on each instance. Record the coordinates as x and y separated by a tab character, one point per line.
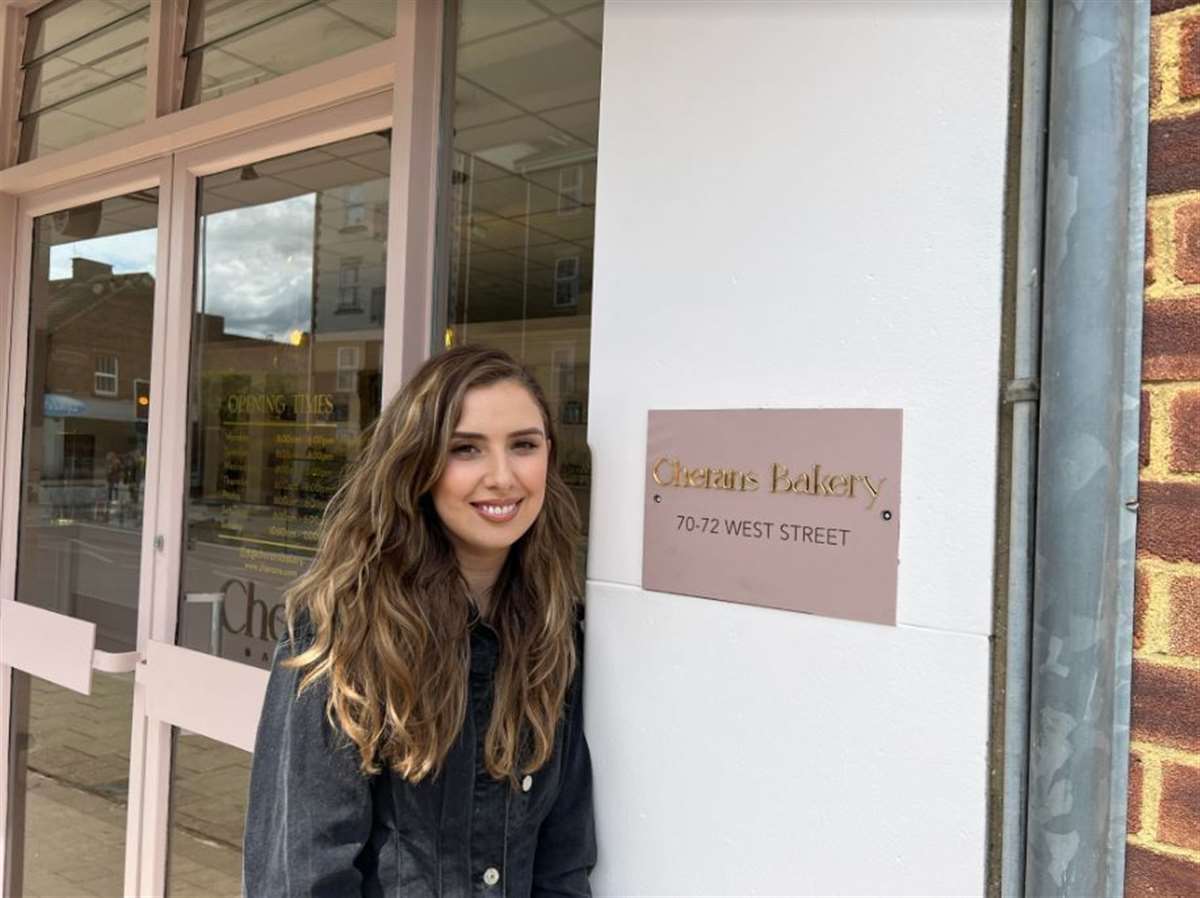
516	254
83	468
285	377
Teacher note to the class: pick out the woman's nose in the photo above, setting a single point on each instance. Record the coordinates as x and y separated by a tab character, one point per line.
499	472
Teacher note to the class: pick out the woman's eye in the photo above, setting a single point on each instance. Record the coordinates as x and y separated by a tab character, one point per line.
525	444
464	450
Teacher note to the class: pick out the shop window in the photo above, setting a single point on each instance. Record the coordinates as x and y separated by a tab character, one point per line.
83	70
105	379
515	247
232	44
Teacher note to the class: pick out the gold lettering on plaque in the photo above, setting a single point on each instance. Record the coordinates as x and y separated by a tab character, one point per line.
810	482
702	478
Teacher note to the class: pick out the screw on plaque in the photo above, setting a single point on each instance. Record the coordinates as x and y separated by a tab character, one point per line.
657	497
886	515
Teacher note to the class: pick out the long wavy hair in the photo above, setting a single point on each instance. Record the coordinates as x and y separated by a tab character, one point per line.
390	609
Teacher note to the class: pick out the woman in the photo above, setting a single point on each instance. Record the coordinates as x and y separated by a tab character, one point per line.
422	733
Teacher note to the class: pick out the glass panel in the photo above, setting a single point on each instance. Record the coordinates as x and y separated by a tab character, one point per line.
72	755
236	43
517	250
82	82
109	109
61	23
115	54
285	375
79	550
208	813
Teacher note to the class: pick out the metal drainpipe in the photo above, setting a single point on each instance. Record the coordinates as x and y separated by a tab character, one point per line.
1088	449
1021	399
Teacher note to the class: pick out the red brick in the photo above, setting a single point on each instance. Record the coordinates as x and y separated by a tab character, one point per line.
1179	808
1166	706
1157	6
1144	430
1171	339
1169	520
1152	875
1189	59
1173	158
1183	622
1141	603
1185	432
1187	243
1133	816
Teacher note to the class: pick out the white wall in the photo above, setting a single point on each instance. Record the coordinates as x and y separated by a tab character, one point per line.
799	205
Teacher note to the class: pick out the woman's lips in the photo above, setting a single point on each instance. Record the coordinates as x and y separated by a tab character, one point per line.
497	512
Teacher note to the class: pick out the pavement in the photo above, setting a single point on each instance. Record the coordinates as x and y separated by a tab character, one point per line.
76	797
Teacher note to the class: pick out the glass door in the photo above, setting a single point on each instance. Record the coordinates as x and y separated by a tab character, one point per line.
197	350
284	372
277	371
77	544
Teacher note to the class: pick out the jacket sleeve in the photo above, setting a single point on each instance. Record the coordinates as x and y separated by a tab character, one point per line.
566	846
309	812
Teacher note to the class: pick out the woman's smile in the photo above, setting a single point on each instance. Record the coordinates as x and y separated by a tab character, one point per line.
497	512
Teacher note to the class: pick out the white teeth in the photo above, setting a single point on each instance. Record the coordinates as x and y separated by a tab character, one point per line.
498	511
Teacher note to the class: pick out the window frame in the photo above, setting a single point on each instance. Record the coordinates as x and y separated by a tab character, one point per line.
166	125
19	71
98	372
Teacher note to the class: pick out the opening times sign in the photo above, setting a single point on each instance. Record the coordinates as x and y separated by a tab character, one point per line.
787	508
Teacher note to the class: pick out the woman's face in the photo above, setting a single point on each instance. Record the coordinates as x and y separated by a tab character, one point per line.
495	478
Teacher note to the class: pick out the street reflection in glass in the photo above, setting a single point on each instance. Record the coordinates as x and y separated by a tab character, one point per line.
82	494
285	376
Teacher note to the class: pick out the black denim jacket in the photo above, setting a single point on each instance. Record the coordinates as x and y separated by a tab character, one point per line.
315	826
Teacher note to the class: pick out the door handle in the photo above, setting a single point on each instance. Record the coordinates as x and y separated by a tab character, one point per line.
114	662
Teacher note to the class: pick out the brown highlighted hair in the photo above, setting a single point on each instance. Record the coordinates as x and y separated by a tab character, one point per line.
390	609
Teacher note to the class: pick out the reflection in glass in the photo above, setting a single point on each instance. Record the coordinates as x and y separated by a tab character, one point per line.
285	375
72	754
232	44
517	258
84	73
208	812
79	543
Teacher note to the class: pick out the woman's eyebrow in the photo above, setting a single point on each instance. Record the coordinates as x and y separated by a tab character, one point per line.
528	431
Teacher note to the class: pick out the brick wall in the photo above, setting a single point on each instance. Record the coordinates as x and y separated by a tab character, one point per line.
1163	856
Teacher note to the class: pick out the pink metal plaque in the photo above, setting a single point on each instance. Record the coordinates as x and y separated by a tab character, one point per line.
788	508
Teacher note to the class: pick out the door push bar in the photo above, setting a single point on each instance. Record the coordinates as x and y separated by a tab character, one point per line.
115	662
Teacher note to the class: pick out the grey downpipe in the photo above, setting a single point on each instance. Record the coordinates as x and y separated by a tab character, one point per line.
1021	397
1088	449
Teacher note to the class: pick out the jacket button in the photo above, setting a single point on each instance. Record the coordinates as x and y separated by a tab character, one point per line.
491	876
527	783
